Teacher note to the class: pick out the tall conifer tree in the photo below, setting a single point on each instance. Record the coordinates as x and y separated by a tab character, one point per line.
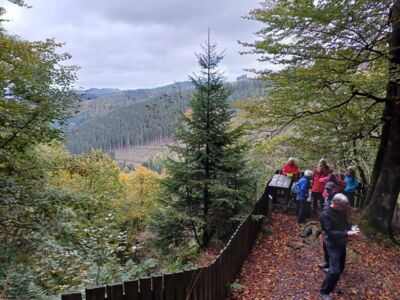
208	181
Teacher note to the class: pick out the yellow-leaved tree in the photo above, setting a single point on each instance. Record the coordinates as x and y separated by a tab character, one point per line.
141	188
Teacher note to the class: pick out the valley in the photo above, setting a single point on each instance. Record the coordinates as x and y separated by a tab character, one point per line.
135	125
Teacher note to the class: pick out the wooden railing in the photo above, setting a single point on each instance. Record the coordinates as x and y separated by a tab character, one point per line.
208	283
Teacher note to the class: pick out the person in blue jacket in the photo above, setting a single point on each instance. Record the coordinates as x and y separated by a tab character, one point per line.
302	195
351	185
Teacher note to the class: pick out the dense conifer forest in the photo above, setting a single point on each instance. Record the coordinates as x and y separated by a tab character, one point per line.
110	119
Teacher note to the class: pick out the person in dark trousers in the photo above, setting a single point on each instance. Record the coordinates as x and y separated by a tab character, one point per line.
351	185
302	195
336	230
330	191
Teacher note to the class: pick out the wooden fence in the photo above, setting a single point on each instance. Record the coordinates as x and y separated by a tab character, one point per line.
208	283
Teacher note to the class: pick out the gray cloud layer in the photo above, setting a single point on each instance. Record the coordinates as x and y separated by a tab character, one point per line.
137	43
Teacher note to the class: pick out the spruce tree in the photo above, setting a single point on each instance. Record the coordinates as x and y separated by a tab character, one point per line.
208	181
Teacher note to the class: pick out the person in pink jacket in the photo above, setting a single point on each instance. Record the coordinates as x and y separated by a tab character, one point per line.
317	188
340	184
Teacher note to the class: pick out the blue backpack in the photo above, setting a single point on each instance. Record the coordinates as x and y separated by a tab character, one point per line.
296	187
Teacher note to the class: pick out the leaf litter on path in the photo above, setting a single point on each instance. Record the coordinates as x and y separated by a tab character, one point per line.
282	266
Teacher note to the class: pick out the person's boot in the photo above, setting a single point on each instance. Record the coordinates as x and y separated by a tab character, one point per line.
325	297
323	264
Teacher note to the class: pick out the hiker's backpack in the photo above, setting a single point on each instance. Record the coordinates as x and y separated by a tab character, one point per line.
296	187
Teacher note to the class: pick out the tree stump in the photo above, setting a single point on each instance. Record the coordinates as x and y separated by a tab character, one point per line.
311	232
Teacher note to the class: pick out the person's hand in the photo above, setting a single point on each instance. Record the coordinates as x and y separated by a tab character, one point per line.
353	233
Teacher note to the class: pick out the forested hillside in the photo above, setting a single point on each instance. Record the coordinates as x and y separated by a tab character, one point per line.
122	119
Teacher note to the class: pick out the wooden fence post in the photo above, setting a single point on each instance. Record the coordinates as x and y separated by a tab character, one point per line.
132	289
96	293
145	288
115	292
73	296
157	287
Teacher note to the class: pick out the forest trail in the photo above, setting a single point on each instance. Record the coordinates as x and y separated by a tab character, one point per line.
275	270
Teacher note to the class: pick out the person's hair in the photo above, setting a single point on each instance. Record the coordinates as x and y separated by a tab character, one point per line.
291	159
351	172
308	173
323	161
340	199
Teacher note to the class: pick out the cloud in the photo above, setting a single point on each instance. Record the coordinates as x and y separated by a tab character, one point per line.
137	44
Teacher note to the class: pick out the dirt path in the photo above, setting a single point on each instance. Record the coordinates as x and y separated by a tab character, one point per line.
274	270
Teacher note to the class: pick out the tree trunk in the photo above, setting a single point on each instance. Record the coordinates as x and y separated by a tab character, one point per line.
380	155
362	174
386	190
206	202
385	186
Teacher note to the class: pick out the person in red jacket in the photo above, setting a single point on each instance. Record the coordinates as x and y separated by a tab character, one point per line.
318	188
324	166
291	169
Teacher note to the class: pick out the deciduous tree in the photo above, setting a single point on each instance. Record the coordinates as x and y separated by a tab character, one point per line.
341	58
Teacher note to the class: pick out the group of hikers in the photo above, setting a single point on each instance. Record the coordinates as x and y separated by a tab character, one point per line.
333	196
315	189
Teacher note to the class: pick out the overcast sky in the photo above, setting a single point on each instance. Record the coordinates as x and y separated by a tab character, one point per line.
131	44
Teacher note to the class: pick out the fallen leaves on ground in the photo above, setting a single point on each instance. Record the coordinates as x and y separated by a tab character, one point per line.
206	257
282	266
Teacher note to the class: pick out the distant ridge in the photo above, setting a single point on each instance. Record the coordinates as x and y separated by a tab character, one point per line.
93	93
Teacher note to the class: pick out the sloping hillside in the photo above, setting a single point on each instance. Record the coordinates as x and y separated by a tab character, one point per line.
124	119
